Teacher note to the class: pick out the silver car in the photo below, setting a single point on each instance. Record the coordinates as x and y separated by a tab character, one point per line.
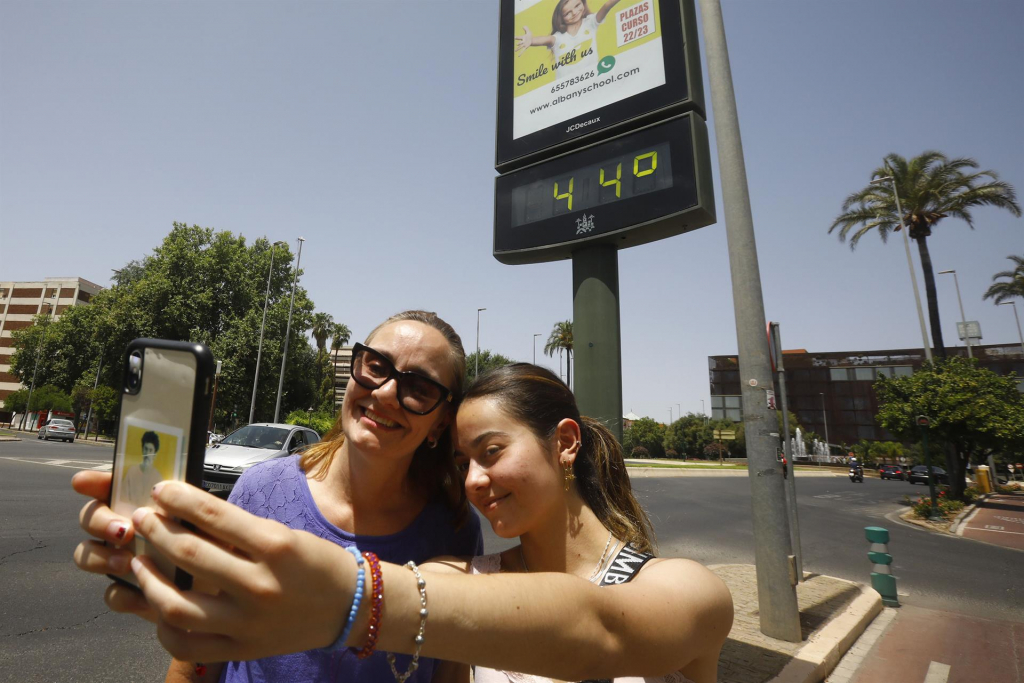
57	429
250	445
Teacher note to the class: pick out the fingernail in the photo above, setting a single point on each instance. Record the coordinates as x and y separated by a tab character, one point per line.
118	563
136	565
116	530
157	489
139	515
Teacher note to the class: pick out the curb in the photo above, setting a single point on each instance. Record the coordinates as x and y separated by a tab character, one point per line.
9	438
815	660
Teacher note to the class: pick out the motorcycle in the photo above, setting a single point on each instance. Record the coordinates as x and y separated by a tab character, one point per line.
857	475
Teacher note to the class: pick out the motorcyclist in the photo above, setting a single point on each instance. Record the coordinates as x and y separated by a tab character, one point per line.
856	470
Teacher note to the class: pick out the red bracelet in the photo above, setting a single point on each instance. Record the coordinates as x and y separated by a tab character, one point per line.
376	605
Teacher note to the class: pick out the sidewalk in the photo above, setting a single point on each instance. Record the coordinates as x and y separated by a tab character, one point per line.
998	520
833	613
916	645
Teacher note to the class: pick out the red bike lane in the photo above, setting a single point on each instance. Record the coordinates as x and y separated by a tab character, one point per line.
998	520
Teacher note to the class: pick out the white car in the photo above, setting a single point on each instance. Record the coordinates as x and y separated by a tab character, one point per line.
250	445
57	429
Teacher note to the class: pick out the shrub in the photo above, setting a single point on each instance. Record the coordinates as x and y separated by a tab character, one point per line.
639	452
321	423
671	453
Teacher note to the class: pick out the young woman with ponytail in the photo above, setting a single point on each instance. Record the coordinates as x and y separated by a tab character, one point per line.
581	598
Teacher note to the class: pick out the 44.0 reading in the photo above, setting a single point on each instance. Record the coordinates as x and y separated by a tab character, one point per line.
613	179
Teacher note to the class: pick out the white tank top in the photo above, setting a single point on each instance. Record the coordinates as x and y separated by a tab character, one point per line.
491	564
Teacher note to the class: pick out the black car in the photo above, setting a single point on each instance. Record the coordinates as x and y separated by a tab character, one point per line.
919	473
891	472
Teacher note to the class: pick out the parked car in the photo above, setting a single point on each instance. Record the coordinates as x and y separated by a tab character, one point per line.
919	473
250	445
57	429
891	472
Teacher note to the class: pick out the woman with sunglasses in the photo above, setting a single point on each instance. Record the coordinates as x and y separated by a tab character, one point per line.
383	480
581	597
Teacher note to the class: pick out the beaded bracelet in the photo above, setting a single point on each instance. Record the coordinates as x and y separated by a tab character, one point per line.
356	599
376	605
422	586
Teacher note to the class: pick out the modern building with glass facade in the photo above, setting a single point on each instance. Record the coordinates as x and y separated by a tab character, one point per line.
837	386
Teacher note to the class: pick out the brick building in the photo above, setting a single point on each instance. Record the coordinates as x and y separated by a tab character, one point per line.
837	385
20	302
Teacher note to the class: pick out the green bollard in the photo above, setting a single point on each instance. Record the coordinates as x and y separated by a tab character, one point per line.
882	579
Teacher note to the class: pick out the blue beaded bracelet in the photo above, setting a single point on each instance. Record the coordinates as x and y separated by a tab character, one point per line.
353	612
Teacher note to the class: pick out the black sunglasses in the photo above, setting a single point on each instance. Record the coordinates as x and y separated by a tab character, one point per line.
418	394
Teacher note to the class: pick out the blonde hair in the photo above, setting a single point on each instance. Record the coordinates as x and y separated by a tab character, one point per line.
433	469
535	397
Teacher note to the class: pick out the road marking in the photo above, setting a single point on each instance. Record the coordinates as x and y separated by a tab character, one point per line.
83	464
994	528
1018	520
937	673
1016	533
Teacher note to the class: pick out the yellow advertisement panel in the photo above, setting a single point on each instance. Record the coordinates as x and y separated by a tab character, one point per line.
575	56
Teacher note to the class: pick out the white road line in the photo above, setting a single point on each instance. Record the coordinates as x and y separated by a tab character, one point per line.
937	673
997	531
86	464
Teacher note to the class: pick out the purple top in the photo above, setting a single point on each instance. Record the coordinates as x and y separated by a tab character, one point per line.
278	490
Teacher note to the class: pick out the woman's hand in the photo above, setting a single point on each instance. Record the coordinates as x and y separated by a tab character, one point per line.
281	590
524	42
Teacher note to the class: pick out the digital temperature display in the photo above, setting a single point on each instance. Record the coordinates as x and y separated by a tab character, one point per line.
614	179
642	186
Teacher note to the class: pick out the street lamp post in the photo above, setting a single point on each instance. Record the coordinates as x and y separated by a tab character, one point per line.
213	402
1019	335
679	411
670	415
910	264
824	417
535	347
476	368
35	369
287	331
963	318
96	383
259	349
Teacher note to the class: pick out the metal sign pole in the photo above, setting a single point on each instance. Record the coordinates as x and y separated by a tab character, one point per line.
596	338
794	519
776	571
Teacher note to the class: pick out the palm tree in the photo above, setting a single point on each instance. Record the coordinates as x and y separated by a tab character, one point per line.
323	323
561	340
1014	287
931	187
339	337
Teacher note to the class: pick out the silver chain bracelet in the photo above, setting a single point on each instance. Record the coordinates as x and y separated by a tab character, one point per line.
422	586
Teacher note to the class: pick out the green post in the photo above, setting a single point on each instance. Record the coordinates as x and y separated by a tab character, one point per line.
597	371
882	579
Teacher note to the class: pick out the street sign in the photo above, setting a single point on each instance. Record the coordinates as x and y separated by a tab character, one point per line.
564	82
971	328
725	434
640	187
771	399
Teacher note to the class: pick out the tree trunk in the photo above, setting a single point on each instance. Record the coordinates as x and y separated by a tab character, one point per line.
939	348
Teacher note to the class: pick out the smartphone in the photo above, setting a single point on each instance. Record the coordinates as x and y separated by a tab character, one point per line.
161	432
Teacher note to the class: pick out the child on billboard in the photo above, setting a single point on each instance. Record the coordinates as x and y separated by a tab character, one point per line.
573	39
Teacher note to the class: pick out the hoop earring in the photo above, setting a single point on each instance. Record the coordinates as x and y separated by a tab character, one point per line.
570	476
431	444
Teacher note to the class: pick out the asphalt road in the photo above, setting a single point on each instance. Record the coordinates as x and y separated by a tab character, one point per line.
55	627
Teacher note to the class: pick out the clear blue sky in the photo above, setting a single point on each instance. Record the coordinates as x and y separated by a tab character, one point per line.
368	129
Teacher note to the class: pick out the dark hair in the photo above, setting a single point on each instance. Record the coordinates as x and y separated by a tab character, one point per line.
536	398
558	24
433	469
152	439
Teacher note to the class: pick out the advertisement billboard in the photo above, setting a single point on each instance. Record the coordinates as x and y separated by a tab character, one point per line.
571	71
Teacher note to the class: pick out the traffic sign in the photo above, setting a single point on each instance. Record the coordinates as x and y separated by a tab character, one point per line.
971	329
725	434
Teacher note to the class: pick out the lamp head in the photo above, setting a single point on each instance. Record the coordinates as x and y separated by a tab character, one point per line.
947	272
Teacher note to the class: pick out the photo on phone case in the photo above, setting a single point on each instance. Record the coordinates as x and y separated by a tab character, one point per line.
150	453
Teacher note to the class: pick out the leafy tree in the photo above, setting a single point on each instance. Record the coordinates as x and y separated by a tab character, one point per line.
1014	285
488	361
688	435
931	187
197	285
738	446
972	409
106	402
16	401
645	433
49	397
560	340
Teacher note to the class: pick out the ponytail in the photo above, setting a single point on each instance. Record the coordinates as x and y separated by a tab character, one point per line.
539	400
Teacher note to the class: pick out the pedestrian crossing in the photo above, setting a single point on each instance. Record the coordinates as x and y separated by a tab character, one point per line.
70	464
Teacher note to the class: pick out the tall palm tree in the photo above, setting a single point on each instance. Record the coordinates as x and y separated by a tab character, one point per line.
323	323
1013	287
561	340
931	187
340	335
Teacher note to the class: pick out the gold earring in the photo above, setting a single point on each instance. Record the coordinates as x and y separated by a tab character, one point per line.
570	476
